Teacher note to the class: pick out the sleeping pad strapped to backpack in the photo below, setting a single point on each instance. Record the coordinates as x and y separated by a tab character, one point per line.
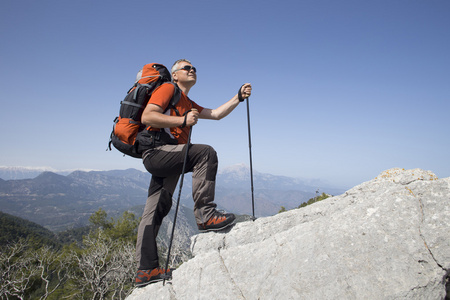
127	125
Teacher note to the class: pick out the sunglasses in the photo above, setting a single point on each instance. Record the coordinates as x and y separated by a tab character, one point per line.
187	68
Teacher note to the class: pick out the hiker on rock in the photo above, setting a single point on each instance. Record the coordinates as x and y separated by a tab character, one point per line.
166	134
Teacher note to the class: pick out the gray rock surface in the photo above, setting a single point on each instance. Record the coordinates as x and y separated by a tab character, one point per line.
388	238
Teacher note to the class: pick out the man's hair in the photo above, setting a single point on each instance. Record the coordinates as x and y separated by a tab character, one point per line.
175	64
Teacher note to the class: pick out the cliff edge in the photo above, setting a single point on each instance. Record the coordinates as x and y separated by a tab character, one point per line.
387	238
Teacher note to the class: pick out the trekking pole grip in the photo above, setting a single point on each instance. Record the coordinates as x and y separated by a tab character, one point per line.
192	109
241	99
185	117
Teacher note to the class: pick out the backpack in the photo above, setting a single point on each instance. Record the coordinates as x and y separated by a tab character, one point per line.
128	124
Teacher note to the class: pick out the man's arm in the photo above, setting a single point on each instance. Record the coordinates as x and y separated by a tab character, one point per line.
226	108
153	116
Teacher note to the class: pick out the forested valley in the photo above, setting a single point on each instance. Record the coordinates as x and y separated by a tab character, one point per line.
93	262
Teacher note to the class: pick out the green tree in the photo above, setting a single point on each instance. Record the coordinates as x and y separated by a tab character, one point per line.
124	228
314	200
99	220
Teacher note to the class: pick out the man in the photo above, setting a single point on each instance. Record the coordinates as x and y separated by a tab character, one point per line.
165	163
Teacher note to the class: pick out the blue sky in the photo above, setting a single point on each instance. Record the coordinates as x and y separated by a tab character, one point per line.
342	90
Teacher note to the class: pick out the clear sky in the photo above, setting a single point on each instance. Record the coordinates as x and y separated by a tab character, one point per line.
342	90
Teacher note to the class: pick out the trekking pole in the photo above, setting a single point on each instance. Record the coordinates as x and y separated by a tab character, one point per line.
178	203
250	153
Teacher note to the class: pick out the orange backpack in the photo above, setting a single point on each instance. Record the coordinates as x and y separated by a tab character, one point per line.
128	123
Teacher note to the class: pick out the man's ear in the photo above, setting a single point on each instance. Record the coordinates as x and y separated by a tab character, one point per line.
174	77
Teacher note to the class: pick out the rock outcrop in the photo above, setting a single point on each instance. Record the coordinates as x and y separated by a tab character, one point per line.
388	238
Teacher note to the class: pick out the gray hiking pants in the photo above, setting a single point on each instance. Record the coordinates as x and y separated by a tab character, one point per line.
165	163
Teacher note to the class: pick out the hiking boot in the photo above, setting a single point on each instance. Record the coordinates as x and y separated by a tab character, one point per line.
217	222
144	277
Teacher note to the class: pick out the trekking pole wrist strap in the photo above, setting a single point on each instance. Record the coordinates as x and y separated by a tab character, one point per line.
241	99
185	119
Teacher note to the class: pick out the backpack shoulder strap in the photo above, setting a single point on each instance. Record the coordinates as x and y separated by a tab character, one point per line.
175	98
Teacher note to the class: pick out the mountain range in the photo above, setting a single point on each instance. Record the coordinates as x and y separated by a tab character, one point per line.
59	202
7	173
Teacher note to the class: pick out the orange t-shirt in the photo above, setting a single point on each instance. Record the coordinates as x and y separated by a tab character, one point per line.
162	96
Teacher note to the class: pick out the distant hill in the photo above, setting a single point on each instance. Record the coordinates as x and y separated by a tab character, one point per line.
12	228
63	202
